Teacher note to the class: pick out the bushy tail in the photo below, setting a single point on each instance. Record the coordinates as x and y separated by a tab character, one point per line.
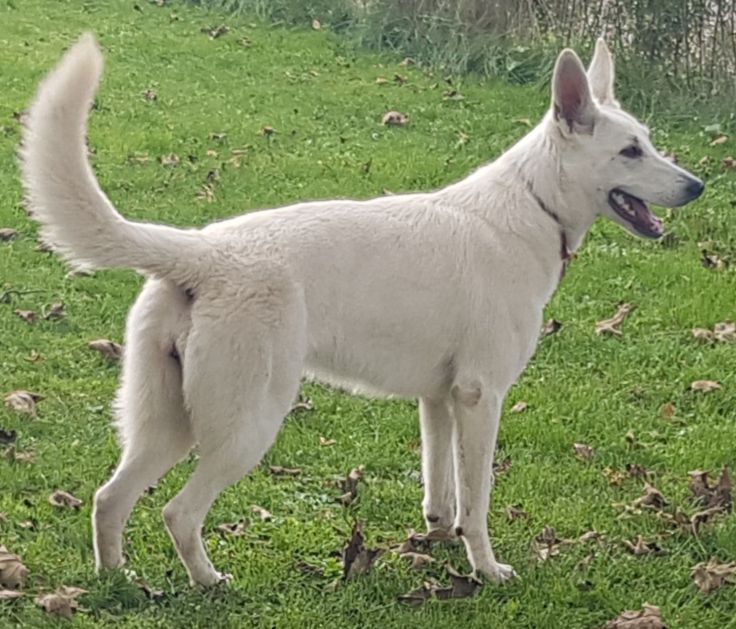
76	217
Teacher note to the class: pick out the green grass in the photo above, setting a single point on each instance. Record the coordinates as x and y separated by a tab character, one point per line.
326	108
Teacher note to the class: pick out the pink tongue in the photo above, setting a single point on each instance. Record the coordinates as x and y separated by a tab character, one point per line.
644	216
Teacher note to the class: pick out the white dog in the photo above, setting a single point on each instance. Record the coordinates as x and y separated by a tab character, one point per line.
435	296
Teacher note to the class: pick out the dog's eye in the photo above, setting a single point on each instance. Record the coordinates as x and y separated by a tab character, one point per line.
631	151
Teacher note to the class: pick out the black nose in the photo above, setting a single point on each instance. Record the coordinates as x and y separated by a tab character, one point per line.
695	188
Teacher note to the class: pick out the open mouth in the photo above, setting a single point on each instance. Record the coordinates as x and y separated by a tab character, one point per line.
635	212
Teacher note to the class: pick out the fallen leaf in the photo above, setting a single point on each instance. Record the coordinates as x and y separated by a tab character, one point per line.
712	261
519	407
423	541
212	153
357	560
418	560
721	139
64	499
642	547
551	327
407	61
706	386
652	498
382	81
7	233
635	470
400	79
725	331
704	517
303	404
452	95
264	514
12	571
63	602
277	470
702	334
9	595
27	315
12	455
172	159
316	24
109	349
151	593
615	477
215	31
150	95
349	486
502	467
668	410
7	436
649	618
394	119
707	495
55	312
233	528
611	326
728	163
515	512
713	575
547	544
217	137
583	451
267	131
461	587
23	401
327	442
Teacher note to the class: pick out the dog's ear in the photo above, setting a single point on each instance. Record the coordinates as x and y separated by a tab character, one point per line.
572	102
601	74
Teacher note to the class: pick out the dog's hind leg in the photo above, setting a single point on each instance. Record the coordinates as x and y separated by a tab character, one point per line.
239	385
437	421
477	410
153	423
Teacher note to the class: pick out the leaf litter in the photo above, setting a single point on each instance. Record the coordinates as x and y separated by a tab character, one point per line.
23	401
461	586
62	602
650	617
612	326
13	573
713	575
357	560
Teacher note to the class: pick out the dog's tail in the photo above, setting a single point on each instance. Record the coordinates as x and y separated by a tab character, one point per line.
76	217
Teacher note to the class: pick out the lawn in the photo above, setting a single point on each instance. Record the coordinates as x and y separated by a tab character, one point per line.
262	116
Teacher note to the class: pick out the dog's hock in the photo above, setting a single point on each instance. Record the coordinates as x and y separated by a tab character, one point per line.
572	102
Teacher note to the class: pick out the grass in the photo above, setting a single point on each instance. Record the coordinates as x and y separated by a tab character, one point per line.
326	107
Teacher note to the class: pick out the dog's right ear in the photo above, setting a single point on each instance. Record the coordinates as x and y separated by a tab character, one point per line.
601	74
572	102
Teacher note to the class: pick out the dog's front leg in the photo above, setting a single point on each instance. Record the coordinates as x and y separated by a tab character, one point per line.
436	421
477	410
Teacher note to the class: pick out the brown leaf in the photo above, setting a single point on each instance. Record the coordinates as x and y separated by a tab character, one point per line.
551	327
399	79
461	587
349	486
109	349
649	618
23	401
583	451
302	404
7	233
519	407
706	386
9	595
172	159
728	163
642	547
394	119
7	436
150	95
721	139
515	512
547	544
702	334
215	31
611	326
151	593
55	312
357	560
382	81
316	24
418	560
233	528
423	541
323	441
263	513
668	410
63	602
713	575
652	498
712	261
27	315
635	470
503	466
12	455
277	470
64	499
707	495
615	477
704	517
725	331
12	571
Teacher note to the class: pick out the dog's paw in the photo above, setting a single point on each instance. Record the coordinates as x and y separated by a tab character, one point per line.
213	580
497	572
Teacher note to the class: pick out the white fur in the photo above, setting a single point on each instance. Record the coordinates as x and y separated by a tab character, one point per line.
434	296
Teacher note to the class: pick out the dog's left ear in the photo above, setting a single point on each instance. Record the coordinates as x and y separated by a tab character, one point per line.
572	101
601	74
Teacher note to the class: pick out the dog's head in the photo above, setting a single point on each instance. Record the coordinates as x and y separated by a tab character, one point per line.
608	151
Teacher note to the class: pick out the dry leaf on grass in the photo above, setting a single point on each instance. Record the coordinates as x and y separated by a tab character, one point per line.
461	587
356	559
583	451
277	470
394	119
652	499
349	486
515	512
151	593
27	315
705	386
170	160
323	441
63	602
12	571
502	467
650	617
7	233
64	499
710	496
723	332
642	547
215	31
264	514
423	541
551	327
547	544
519	407
9	595
713	575
12	455
668	410
109	349
635	470
55	312
721	139
302	404
612	325
233	528
615	477
418	560
23	401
